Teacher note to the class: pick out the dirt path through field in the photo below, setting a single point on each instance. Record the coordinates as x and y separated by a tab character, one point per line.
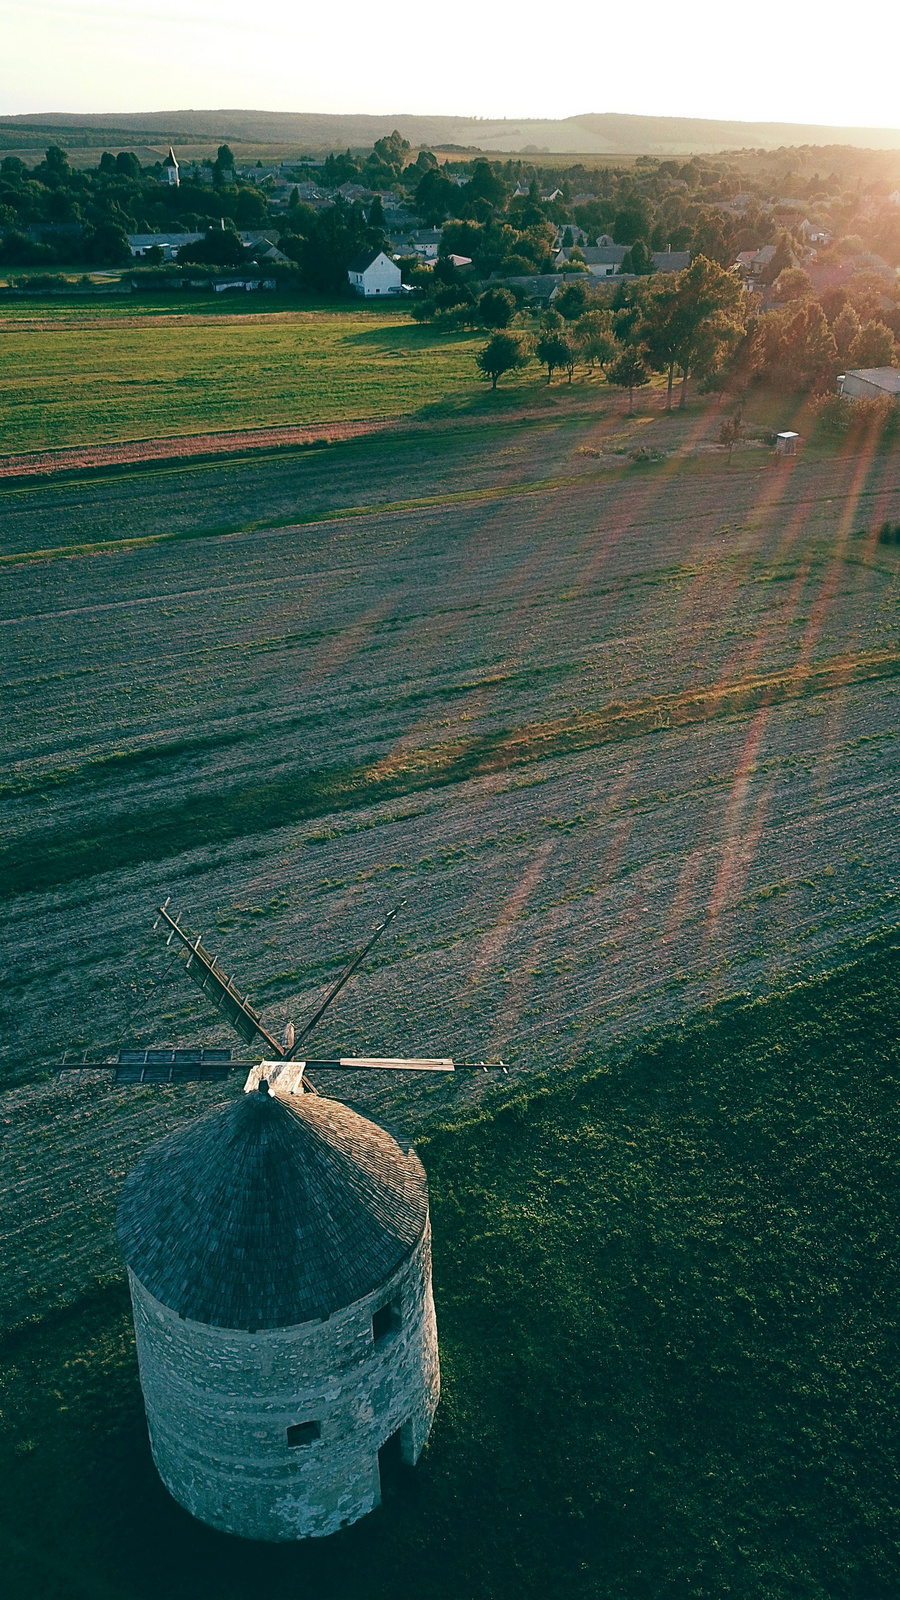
36	463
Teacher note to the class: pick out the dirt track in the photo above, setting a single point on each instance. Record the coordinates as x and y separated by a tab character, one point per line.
38	463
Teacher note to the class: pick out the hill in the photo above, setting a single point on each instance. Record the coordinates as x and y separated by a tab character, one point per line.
607	133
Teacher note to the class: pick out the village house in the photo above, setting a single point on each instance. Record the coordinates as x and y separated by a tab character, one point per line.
421	242
372	272
605	260
870	383
168	243
752	263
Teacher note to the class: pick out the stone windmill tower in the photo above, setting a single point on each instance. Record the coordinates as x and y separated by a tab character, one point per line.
279	1258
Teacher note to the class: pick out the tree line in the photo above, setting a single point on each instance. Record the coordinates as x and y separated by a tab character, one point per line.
698	323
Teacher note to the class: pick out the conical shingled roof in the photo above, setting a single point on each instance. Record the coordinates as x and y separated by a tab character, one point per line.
270	1213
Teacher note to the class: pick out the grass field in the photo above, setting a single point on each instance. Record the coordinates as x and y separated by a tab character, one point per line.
666	1301
75	381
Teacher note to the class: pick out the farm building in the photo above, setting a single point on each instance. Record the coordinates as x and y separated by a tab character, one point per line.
168	243
279	1260
870	383
373	273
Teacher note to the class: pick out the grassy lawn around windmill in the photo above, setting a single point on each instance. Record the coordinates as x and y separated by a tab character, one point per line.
665	1296
78	379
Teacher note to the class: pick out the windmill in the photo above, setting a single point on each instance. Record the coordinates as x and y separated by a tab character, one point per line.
280	1062
279	1261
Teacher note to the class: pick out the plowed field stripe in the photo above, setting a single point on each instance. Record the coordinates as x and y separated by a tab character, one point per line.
49	859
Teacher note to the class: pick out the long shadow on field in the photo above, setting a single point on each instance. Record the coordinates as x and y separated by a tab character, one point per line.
152	835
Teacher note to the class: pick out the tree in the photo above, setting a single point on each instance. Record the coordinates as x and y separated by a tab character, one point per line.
783	258
662	329
220	248
553	350
596	338
376	213
486	185
107	245
845	328
551	321
224	159
629	371
503	353
127	165
435	195
731	432
874	346
793	284
702	307
497	307
56	163
250	210
638	260
573	301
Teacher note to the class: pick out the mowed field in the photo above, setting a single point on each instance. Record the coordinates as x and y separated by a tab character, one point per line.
625	740
71	378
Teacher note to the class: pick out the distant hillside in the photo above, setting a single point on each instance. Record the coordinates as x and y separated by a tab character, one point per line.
607	133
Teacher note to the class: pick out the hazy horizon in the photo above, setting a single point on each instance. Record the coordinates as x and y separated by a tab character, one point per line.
699	64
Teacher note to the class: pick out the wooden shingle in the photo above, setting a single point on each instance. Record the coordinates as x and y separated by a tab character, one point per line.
268	1214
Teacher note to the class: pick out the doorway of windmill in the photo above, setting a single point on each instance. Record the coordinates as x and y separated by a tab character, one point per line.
394	1467
390	1466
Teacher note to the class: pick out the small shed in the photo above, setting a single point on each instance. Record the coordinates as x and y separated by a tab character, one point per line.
372	272
786	443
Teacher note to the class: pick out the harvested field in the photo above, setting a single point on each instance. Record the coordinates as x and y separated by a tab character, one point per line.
625	741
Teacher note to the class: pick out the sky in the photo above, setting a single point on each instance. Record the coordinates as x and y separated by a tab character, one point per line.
804	62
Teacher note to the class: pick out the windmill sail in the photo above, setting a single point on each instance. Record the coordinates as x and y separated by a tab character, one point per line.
206	973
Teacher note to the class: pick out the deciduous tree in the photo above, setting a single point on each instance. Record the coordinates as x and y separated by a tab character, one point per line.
629	371
597	339
553	351
497	308
873	346
503	353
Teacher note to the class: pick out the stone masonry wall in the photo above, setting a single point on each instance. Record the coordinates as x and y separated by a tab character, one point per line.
219	1403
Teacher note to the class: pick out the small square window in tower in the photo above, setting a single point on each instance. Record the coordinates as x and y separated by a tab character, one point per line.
385	1320
303	1433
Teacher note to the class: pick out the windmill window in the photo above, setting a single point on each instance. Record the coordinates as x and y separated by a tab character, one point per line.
303	1433
386	1320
